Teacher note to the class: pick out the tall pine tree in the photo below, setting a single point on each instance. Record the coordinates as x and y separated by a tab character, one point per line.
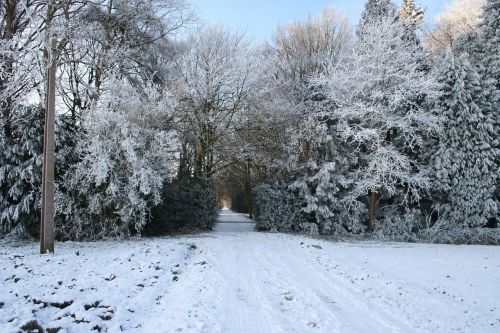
490	35
464	161
21	171
410	10
490	39
375	11
412	15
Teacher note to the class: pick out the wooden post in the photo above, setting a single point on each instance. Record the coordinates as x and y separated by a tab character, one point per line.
372	210
47	225
249	188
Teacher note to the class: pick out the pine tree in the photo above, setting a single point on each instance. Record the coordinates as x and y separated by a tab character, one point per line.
375	10
490	38
20	171
483	44
412	15
411	11
464	162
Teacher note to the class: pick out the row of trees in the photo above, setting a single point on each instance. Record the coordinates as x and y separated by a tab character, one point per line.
117	139
338	130
389	135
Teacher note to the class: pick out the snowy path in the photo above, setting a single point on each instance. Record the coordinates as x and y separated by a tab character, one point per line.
237	280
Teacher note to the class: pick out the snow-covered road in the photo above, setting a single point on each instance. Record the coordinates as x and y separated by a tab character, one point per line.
237	280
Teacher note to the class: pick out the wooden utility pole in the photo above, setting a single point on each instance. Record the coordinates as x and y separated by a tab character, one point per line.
47	225
372	210
249	188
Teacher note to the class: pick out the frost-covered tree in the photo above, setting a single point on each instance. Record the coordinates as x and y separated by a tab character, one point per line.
466	159
21	117
218	76
132	38
411	11
376	93
296	133
375	11
490	37
483	46
412	15
321	163
126	154
96	38
490	61
20	171
460	18
304	48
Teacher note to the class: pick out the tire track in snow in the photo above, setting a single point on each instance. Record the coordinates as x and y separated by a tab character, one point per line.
352	304
295	305
244	301
348	312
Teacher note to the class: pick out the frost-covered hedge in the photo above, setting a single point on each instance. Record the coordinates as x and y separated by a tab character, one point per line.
402	227
278	208
186	205
484	236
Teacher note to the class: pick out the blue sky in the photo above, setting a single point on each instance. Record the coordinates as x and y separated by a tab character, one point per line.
259	18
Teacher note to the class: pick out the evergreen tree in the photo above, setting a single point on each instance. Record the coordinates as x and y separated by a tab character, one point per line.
412	15
377	92
490	38
490	65
410	10
375	11
483	45
490	35
20	171
465	160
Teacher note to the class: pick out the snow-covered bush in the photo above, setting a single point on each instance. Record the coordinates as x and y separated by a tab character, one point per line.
125	157
321	169
400	227
186	205
277	209
486	236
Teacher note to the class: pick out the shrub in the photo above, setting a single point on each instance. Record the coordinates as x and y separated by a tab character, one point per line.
277	209
401	227
186	205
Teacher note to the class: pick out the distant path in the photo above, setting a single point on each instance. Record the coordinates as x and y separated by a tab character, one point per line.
230	221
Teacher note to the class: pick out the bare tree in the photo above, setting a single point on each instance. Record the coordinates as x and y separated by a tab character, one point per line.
459	18
126	38
306	46
219	73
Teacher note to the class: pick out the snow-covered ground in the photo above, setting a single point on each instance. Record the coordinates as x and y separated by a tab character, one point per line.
238	280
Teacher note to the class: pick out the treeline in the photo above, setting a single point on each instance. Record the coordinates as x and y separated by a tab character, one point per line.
391	135
383	129
123	115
